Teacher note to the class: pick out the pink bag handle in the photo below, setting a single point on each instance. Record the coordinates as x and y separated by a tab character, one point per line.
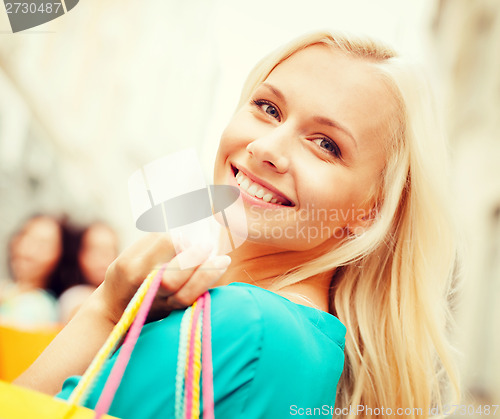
115	377
116	374
206	353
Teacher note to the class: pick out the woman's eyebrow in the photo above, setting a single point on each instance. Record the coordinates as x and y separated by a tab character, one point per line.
328	122
276	92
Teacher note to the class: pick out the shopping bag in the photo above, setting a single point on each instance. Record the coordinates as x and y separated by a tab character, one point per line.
20	347
21	403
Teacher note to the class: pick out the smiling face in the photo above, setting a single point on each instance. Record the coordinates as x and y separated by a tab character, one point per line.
308	148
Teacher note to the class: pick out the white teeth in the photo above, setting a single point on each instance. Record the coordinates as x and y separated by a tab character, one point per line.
252	189
255	189
245	184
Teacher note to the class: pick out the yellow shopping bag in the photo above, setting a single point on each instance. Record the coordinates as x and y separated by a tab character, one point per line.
20	347
20	403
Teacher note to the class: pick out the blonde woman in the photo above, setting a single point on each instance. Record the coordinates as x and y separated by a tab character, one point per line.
340	164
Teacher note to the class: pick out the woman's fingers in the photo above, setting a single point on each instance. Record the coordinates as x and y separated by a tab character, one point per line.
176	275
181	287
198	282
128	271
187	275
136	261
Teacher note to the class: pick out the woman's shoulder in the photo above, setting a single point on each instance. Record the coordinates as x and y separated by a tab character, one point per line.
285	353
243	304
250	325
246	313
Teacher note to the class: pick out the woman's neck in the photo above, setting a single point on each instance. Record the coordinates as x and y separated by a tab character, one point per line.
260	265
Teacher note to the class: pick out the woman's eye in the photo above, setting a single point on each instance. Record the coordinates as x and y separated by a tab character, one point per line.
328	145
268	108
271	110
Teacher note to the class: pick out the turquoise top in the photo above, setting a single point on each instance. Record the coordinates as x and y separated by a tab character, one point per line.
271	357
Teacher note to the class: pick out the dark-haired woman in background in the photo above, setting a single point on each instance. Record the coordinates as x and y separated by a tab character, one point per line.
41	262
97	248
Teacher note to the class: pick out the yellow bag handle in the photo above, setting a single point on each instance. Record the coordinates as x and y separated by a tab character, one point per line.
80	392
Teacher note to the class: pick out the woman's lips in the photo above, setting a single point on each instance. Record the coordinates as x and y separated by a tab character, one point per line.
274	197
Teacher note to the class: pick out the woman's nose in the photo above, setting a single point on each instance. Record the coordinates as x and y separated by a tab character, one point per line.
272	149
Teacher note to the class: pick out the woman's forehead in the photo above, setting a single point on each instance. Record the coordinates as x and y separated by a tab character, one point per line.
328	68
42	224
335	84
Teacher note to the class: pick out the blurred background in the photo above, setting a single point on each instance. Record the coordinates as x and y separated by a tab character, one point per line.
88	98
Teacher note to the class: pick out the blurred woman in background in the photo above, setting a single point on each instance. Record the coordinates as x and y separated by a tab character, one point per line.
98	247
35	254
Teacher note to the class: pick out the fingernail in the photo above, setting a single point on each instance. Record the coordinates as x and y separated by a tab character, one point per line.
221	262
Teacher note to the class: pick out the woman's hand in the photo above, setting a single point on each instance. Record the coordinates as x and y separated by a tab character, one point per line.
179	287
73	349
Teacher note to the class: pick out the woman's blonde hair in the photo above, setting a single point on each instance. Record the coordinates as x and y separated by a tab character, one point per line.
392	284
